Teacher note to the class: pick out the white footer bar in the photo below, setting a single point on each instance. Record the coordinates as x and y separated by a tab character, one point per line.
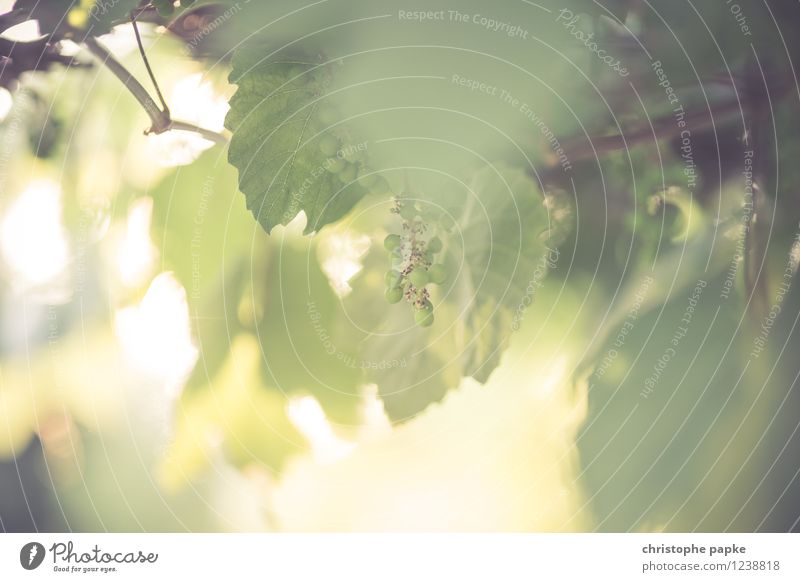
400	557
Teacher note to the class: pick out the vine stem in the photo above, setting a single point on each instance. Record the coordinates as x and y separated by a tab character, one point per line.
208	134
134	15
587	147
160	120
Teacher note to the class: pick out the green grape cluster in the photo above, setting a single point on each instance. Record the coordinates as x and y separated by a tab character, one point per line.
413	254
348	161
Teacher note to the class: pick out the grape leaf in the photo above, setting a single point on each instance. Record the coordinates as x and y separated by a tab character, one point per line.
213	267
663	440
276	142
301	352
409	372
501	236
235	408
494	253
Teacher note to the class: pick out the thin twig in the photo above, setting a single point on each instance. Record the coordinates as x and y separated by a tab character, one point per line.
206	133
160	120
147	63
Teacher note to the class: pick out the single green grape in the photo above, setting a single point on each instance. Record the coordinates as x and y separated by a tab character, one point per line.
435	244
392	242
438	273
348	174
394	295
418	278
328	145
327	115
352	154
408	211
424	317
335	165
393	278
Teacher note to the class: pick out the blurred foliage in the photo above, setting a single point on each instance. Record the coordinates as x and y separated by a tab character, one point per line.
592	365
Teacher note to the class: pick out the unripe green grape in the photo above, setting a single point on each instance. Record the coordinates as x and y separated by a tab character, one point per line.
352	154
394	295
423	317
418	278
393	279
392	242
366	178
327	115
348	174
435	244
335	165
328	145
408	211
438	274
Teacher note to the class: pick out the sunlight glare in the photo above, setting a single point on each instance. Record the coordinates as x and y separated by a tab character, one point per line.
193	100
155	335
136	253
6	102
33	240
309	418
23	32
341	259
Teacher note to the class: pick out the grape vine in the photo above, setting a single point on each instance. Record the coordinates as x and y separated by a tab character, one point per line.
461	253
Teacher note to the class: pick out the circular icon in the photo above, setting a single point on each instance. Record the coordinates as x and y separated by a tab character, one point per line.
31	555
